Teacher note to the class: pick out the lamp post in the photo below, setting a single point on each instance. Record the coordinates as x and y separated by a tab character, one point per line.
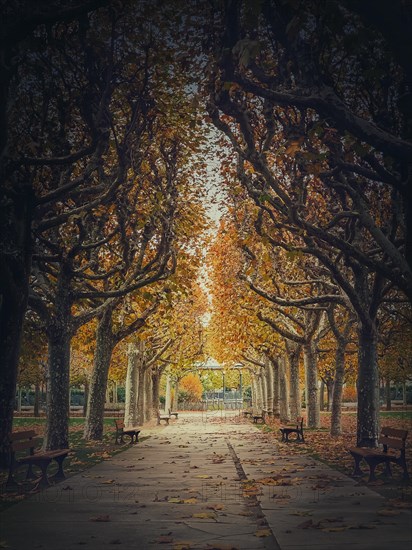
223	378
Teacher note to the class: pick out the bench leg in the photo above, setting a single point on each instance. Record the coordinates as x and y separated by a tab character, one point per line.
388	471
59	474
372	465
30	474
11	483
402	463
357	471
43	481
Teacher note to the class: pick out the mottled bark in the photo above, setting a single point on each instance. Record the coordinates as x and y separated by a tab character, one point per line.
293	356
57	420
175	402
336	414
36	410
156	375
86	397
15	265
388	394
141	393
132	388
368	388
312	390
269	385
276	388
148	395
168	398
254	392
264	385
322	395
283	391
93	429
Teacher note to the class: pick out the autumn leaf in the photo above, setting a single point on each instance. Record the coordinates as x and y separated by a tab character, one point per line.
103	518
163	539
204	515
263	533
183	545
388	512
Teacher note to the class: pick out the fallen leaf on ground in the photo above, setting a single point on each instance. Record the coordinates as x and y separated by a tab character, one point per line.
183	545
104	518
204	515
387	512
163	539
263	533
215	507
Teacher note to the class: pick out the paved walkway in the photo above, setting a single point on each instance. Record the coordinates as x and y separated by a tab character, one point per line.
203	484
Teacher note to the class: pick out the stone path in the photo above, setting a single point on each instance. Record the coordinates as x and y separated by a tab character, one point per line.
203	484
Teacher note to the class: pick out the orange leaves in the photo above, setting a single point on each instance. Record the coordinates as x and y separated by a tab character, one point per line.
192	387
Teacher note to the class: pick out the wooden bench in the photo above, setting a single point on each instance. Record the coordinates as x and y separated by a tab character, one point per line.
293	429
258	416
25	442
247	413
171	413
164	417
130	431
393	450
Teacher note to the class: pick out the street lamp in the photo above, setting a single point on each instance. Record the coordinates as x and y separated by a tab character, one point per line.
223	377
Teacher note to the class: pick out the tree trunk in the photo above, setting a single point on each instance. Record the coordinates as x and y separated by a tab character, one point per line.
132	388
312	390
19	397
264	385
329	394
322	395
276	388
93	429
388	394
175	403
141	394
293	355
254	392
148	395
15	267
86	397
260	391
58	396
156	374
336	414
283	391
269	385
368	388
36	411
168	396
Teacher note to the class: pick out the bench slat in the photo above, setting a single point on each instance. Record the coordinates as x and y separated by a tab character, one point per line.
394	432
390	442
26	434
22	445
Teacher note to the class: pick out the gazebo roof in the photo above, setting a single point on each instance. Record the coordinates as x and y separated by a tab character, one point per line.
212	364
